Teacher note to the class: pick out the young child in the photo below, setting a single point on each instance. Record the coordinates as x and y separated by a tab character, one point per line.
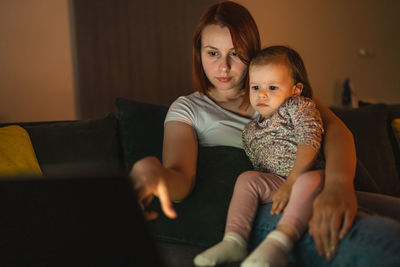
283	145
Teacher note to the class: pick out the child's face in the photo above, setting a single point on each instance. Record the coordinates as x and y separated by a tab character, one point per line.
270	86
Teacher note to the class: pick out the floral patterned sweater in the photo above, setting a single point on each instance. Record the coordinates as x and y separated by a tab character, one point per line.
271	144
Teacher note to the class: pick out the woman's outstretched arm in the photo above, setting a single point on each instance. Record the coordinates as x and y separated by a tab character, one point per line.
335	207
174	178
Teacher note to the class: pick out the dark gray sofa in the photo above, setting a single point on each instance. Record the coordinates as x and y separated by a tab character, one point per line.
110	145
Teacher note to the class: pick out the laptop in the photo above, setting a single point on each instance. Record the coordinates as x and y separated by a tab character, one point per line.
79	221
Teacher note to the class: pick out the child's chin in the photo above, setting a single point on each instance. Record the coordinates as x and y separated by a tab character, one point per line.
266	115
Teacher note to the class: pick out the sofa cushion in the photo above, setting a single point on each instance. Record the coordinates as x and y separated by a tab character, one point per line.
17	156
363	180
76	146
141	129
394	113
374	149
396	130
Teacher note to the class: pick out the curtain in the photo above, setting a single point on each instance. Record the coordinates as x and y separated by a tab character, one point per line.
140	50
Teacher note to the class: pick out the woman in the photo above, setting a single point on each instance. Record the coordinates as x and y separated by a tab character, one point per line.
224	41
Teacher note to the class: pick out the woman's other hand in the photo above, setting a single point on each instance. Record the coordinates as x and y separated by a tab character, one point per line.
333	214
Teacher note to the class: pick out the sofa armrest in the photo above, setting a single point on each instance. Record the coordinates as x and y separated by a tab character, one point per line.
379	204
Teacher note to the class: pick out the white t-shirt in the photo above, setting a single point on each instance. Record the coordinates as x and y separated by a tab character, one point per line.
214	125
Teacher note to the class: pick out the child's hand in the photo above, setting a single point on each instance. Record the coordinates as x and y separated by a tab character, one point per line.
281	198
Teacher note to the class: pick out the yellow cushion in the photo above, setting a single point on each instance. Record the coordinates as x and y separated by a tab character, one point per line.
396	129
17	156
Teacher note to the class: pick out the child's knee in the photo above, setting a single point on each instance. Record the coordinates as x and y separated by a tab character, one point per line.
246	179
311	179
253	181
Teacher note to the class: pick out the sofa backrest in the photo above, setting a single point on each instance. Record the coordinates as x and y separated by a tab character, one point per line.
377	148
67	147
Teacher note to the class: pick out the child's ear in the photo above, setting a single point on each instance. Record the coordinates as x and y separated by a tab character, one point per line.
297	89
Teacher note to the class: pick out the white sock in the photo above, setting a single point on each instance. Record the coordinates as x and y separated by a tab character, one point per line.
232	248
272	252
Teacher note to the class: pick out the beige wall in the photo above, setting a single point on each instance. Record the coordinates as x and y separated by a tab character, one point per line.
329	34
36	78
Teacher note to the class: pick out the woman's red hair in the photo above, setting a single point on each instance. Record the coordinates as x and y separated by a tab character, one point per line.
244	33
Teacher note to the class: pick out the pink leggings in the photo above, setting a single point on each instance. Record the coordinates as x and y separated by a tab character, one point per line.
253	187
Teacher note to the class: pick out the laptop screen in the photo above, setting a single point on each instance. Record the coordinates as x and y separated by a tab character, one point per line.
76	221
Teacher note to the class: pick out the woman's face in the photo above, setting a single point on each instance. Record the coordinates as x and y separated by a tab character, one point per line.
221	64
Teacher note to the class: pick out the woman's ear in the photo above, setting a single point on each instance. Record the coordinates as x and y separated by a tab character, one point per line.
297	89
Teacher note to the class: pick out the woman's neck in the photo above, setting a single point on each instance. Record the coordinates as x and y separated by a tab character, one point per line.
225	96
231	100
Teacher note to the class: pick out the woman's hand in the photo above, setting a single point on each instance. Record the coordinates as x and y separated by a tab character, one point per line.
333	214
172	180
148	181
281	198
